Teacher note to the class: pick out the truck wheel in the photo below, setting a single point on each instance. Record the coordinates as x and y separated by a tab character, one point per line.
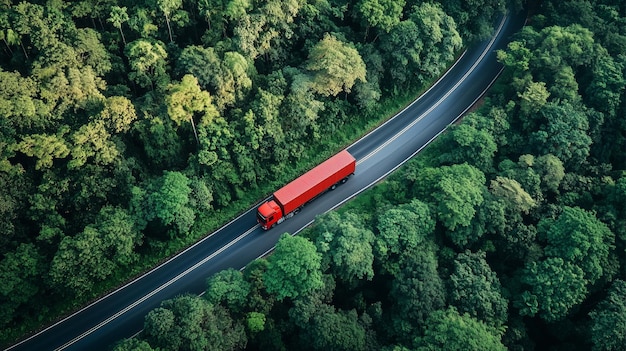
333	187
273	225
344	180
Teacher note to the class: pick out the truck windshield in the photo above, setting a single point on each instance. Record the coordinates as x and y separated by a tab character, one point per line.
260	217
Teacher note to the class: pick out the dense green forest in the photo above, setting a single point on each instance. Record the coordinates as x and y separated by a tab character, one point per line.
130	129
508	232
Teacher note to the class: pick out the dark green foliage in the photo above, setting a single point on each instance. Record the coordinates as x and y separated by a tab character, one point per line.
475	289
608	328
294	269
450	330
128	124
192	323
346	247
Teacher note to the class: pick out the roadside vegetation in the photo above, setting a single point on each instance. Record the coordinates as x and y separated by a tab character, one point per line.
130	129
508	232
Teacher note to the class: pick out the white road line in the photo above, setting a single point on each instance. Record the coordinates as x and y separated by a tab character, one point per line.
440	101
156	291
132	281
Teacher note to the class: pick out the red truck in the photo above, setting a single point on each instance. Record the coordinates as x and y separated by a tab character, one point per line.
288	200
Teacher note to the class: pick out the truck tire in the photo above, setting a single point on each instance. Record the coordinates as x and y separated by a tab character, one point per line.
333	187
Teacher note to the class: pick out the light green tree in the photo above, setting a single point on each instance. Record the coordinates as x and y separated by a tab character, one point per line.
335	66
117	18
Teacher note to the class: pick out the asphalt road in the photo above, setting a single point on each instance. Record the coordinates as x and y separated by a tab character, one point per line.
120	314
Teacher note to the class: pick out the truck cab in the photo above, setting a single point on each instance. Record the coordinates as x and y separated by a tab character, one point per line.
269	214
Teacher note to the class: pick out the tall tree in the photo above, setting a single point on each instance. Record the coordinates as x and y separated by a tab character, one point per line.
192	323
555	287
405	229
147	60
450	330
184	99
455	192
167	6
117	18
345	246
475	289
383	14
335	66
578	237
416	292
294	268
608	319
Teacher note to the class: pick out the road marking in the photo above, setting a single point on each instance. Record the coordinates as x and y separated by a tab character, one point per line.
132	281
440	101
157	290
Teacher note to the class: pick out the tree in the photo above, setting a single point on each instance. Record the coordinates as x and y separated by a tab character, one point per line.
328	329
449	330
147	60
45	148
80	262
441	39
166	199
186	98
401	49
475	289
533	98
417	291
167	6
383	14
294	269
192	323
119	16
132	344
90	51
550	169
94	253
118	114
564	134
92	141
511	193
465	143
578	237
229	288
405	229
556	286
454	191
335	66
608	319
21	271
345	246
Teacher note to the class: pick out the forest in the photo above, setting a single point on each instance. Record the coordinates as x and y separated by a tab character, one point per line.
128	127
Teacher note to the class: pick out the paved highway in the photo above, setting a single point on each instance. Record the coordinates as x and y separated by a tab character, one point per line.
120	314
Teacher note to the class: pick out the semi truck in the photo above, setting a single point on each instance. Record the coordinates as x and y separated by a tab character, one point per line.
289	200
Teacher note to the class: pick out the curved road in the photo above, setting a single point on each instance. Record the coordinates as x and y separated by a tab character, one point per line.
120	314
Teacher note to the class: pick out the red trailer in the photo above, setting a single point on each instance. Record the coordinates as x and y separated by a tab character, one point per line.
289	199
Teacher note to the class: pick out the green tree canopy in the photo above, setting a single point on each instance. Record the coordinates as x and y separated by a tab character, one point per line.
345	246
294	269
335	66
578	237
401	232
450	330
555	287
475	289
192	323
608	319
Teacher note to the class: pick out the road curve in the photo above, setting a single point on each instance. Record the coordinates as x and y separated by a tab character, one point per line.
120	314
